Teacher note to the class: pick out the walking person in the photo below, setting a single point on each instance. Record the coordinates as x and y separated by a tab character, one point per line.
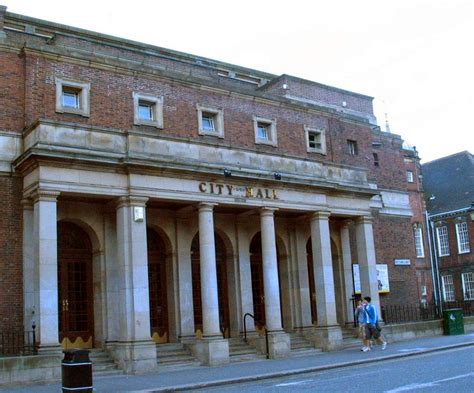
372	328
361	318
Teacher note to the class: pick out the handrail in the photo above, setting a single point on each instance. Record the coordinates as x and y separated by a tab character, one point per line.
264	327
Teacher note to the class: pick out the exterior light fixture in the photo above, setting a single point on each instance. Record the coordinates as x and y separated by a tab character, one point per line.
227	172
277	175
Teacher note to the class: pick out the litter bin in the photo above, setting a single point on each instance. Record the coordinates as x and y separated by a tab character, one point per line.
76	371
453	321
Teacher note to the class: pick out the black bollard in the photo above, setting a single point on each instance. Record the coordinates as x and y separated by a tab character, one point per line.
76	371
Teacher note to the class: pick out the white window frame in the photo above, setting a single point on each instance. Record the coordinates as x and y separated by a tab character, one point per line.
156	106
448	288
442	240
468	285
352	148
271	131
418	236
462	237
322	139
83	95
410	177
218	119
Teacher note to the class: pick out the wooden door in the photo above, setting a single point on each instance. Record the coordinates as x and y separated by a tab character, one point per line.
258	293
157	287
75	289
312	289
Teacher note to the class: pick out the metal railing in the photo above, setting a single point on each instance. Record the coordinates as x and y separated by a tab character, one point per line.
392	314
18	343
466	305
264	327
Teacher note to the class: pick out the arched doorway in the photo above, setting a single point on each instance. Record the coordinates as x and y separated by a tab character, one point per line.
75	287
258	289
222	288
157	280
312	289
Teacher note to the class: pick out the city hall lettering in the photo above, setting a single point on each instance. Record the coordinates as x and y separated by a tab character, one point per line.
230	190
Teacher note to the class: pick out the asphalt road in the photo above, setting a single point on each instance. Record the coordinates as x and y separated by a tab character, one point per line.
447	371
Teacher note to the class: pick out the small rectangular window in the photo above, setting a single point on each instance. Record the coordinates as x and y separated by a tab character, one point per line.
315	140
468	286
443	241
448	288
418	234
376	159
409	176
210	121
462	235
148	110
72	97
265	131
352	147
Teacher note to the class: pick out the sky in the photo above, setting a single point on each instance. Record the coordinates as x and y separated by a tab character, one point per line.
415	57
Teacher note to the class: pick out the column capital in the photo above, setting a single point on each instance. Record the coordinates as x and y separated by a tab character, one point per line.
320	215
346	223
45	195
27	203
206	206
131	200
364	220
267	211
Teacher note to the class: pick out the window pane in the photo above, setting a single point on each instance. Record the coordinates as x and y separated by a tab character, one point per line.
463	237
145	111
443	243
262	131
410	176
314	140
419	242
448	288
468	285
208	123
71	98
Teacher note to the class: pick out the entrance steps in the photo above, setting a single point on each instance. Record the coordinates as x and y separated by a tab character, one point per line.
102	363
350	337
174	356
240	351
300	346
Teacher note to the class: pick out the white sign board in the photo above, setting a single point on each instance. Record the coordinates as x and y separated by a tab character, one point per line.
382	278
402	262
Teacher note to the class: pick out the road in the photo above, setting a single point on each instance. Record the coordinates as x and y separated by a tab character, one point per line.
447	371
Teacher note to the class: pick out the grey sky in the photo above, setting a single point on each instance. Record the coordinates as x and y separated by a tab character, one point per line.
414	56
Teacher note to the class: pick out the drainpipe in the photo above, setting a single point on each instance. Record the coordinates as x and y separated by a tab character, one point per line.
434	262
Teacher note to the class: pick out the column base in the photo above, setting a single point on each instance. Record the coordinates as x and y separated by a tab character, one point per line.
50	349
136	357
211	351
328	338
278	344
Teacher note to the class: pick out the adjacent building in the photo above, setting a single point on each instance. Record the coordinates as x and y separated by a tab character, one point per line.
449	193
152	196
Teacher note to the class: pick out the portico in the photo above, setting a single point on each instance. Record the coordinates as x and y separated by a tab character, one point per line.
180	257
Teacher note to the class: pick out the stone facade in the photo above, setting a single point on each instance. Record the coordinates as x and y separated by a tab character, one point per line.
112	175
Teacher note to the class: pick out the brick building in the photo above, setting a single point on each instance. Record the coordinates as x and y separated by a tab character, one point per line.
449	193
130	172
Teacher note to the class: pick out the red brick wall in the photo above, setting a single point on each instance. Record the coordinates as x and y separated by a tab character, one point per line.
11	265
12	92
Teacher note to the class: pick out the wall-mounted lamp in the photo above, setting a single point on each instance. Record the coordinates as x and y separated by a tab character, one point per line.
227	172
432	197
277	175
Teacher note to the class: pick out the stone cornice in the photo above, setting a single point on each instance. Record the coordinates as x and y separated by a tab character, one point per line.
45	195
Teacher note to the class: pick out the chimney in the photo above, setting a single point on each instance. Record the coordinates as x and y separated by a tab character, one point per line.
3	10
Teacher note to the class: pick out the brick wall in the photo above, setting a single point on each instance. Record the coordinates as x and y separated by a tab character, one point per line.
11	91
11	265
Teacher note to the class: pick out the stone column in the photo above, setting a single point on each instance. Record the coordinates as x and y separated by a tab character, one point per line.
328	333
212	349
279	341
367	260
30	291
135	351
45	236
347	266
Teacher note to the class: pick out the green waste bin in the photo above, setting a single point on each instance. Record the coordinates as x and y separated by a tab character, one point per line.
453	321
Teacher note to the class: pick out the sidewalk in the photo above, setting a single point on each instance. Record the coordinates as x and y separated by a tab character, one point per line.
201	377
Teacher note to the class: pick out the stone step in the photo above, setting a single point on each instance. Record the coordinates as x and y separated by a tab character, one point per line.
183	358
305	352
247	357
178	366
103	364
174	352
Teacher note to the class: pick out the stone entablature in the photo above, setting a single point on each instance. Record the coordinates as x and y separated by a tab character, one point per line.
113	146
